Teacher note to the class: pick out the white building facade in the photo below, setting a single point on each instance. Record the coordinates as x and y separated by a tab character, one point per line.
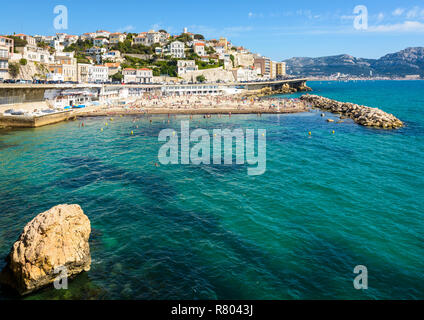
177	49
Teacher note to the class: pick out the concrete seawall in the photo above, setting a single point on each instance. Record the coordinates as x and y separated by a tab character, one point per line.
35	121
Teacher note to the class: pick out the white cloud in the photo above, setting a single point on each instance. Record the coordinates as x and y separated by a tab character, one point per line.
380	17
255	15
413	13
126	29
208	31
398	12
407	26
346	17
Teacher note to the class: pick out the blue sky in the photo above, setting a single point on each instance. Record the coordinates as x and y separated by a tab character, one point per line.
279	29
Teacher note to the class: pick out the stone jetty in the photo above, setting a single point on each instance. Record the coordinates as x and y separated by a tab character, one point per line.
53	242
366	116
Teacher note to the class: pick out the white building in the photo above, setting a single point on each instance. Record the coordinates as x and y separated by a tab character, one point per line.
30	40
177	49
199	49
113	55
88	73
152	37
117	37
185	66
198	89
245	74
6	50
56	45
99	73
88	36
96	51
102	33
61	37
140	39
34	54
220	49
99	42
70	39
143	75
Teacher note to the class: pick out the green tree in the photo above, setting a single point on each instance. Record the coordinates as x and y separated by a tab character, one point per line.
199	37
18	42
210	50
201	78
184	38
233	60
23	62
14	69
117	77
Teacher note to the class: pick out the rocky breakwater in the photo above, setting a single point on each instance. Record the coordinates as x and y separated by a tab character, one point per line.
54	240
366	116
267	91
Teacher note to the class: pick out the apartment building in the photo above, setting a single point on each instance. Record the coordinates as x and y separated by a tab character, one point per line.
103	34
34	54
177	49
117	37
6	50
83	72
113	67
30	40
99	73
88	73
70	39
199	49
281	69
66	65
99	42
113	55
143	75
140	39
185	66
245	74
264	65
152	37
88	36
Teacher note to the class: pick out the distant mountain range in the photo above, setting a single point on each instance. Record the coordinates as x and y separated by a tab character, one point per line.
400	64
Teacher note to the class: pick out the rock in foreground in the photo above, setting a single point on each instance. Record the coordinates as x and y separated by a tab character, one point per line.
54	239
366	116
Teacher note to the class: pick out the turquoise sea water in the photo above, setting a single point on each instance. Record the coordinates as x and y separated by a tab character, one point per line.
326	204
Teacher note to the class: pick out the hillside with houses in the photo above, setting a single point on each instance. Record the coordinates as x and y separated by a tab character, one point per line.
131	58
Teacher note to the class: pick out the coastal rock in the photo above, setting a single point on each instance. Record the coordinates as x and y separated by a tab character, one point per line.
54	239
285	89
366	116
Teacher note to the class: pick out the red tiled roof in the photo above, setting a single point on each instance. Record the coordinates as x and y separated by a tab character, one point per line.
112	64
145	69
